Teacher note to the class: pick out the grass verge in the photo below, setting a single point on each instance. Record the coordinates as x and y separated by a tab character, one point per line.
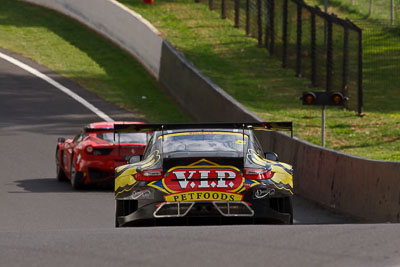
75	52
237	65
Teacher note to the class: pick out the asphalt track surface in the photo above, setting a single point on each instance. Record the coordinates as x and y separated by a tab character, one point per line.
46	223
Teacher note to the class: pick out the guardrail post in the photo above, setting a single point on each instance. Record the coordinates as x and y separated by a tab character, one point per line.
271	26
284	31
237	10
360	74
299	35
259	22
267	30
313	52
392	8
345	82
223	9
247	17
329	57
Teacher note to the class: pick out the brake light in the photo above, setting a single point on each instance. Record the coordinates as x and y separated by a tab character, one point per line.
89	149
257	174
150	175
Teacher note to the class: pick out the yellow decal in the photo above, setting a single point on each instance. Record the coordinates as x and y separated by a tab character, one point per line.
261	161
199	132
240	142
126	179
280	174
203	196
255	182
152	160
283	178
153	184
125	172
211	165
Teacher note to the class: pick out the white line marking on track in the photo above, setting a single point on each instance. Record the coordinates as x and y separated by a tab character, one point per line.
59	86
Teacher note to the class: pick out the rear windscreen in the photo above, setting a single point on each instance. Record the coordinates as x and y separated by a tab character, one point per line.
123	137
203	142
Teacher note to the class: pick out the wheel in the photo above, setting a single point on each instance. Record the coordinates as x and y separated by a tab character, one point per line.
76	177
124	208
61	177
288	207
118	211
283	205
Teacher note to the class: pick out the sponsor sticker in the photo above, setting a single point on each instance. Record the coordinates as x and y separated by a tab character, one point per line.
142	194
218	178
203	196
203	181
263	192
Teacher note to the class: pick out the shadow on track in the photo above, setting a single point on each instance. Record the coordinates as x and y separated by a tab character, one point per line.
308	212
51	185
305	212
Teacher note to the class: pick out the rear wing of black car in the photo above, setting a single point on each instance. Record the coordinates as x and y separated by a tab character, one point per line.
257	126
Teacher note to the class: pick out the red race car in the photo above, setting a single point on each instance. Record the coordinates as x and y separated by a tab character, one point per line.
92	156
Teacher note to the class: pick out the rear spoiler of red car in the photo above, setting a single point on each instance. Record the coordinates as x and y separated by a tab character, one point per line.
99	130
258	126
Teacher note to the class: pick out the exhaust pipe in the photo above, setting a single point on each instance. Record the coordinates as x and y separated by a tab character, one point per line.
233	208
173	209
181	209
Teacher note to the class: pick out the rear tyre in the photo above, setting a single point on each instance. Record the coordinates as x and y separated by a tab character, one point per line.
124	208
61	177
118	212
76	177
283	205
288	207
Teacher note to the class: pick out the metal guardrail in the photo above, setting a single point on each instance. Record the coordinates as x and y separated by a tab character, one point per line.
317	45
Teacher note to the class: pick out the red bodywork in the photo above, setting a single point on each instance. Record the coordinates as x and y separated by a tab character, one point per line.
95	157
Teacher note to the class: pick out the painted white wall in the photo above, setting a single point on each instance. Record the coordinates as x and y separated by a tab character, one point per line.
118	23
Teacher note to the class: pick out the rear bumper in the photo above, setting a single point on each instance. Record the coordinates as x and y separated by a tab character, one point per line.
100	170
193	213
106	165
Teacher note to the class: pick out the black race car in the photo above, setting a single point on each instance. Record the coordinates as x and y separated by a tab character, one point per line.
204	173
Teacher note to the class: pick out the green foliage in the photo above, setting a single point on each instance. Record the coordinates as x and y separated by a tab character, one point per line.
75	52
224	54
237	65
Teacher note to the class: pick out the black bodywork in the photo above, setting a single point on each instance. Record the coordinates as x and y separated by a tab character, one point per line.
227	185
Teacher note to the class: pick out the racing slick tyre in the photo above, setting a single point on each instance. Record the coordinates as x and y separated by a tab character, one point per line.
288	207
123	208
118	211
76	177
61	177
284	205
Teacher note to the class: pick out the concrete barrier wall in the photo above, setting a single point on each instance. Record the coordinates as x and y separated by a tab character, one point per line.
197	94
363	188
367	189
360	187
118	23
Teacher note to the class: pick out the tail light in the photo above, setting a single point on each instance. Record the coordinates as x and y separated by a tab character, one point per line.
150	175
257	174
89	149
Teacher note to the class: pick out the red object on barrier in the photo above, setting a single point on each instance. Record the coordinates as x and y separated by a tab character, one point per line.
149	2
